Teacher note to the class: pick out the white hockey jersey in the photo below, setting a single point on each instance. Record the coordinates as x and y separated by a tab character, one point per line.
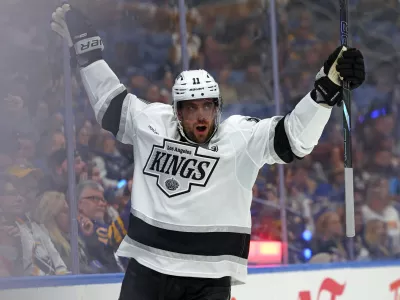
190	212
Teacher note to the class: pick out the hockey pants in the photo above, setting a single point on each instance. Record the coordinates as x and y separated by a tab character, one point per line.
142	283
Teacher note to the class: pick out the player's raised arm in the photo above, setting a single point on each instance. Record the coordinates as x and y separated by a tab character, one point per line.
282	139
114	107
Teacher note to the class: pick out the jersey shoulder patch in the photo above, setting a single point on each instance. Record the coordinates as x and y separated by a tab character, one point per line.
253	119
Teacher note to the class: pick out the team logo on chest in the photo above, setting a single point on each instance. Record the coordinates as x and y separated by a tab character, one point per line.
178	167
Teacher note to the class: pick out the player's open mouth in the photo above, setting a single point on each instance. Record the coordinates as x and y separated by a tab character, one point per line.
201	128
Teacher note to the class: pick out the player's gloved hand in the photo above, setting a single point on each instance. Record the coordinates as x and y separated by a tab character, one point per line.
85	44
342	64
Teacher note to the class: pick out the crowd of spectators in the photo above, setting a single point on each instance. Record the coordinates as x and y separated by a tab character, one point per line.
231	39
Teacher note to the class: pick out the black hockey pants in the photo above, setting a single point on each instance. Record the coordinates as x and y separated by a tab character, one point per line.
142	283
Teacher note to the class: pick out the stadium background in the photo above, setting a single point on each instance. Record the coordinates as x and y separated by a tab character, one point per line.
231	39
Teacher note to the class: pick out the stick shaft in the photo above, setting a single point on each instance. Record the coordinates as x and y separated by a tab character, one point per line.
348	159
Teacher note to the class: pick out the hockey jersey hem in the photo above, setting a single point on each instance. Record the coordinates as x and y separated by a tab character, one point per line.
219	266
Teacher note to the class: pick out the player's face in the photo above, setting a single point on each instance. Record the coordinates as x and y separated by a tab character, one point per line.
197	118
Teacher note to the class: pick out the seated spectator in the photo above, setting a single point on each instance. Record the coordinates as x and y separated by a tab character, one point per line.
138	85
8	148
359	251
215	53
382	89
313	55
14	114
53	213
94	173
254	89
56	123
376	240
228	92
153	94
378	207
118	212
48	144
193	48
112	164
377	125
302	33
27	149
30	241
314	168
100	238
330	140
57	142
328	237
41	118
271	194
168	81
299	202
382	162
193	41
57	179
302	181
334	187
166	87
244	53
10	251
27	181
82	145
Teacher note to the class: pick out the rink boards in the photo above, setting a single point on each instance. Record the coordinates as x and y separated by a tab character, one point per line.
347	281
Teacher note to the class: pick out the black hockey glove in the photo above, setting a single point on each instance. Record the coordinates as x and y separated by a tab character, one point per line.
341	65
85	44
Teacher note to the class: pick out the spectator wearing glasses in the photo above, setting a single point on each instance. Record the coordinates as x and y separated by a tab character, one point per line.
53	213
96	232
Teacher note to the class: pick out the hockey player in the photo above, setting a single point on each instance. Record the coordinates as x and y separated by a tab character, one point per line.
189	230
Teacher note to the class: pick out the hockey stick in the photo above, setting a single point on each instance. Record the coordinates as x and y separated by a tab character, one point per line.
348	160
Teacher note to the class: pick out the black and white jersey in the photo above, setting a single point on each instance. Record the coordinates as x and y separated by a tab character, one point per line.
190	212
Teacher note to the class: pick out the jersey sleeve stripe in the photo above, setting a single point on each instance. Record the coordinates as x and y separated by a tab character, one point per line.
281	143
124	114
107	103
113	115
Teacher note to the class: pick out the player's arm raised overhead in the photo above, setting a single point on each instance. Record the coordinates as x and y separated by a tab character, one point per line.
114	107
283	139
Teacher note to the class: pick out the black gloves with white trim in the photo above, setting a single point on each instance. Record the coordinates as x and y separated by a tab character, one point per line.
85	44
342	64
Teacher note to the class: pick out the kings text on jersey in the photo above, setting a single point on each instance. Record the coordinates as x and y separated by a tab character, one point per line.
178	166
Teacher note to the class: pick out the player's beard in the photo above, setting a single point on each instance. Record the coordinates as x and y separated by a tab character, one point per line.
199	137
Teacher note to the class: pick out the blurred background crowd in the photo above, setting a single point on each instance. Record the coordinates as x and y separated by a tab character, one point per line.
231	39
